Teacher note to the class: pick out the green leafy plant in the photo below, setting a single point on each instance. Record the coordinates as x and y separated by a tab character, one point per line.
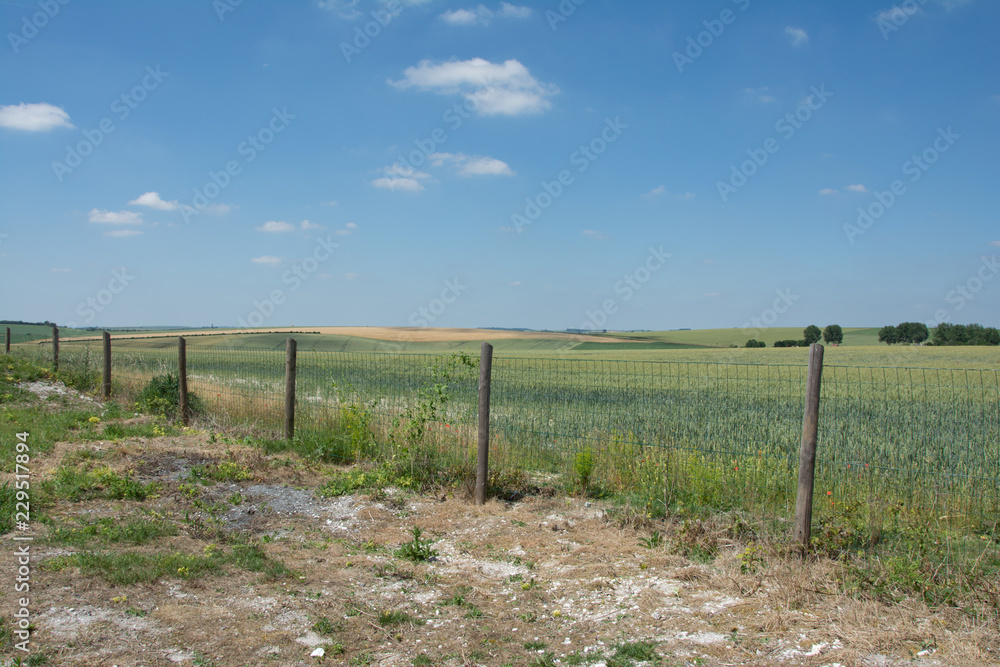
417	550
161	396
583	466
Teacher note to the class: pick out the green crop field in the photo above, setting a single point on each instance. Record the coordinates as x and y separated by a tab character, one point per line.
729	337
909	435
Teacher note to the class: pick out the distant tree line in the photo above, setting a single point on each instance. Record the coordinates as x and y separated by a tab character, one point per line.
965	334
833	334
942	334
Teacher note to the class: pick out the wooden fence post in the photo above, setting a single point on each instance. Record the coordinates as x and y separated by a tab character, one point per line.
483	467
290	388
55	348
106	384
7	346
182	381
807	450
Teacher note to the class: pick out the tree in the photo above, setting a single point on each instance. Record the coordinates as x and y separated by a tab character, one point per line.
812	334
833	334
753	342
887	335
911	332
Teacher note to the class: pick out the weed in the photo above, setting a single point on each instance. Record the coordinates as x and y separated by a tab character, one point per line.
627	653
534	645
654	540
161	396
583	466
395	617
417	550
324	626
545	660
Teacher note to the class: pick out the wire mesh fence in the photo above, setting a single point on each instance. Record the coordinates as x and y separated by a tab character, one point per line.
901	450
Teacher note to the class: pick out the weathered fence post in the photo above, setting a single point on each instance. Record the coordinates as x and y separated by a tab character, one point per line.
6	349
807	450
55	348
483	466
290	388
182	381
106	384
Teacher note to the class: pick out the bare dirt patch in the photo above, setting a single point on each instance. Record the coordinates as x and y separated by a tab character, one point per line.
542	581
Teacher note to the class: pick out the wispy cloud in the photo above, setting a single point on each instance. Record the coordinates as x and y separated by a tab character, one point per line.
760	95
857	187
58	270
266	259
153	200
482	15
398	177
473	166
996	243
348	9
594	234
503	89
276	227
33	117
798	36
115	217
305	225
122	233
347	230
828	191
515	283
661	190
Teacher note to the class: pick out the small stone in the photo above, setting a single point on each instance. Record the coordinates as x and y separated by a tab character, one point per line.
318	653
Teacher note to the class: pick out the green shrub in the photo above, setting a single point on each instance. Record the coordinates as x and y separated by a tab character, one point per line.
161	396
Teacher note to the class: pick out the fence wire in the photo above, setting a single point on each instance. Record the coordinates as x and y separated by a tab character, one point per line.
898	447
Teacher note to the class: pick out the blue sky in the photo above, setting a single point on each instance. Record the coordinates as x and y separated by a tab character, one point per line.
641	165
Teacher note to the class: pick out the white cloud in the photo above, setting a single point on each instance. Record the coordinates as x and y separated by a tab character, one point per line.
266	259
115	217
515	283
351	225
708	261
33	117
662	190
276	227
798	36
758	94
828	191
306	225
857	187
121	233
398	177
152	200
482	15
510	11
996	243
352	276
332	202
506	89
217	209
473	166
593	234
348	9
